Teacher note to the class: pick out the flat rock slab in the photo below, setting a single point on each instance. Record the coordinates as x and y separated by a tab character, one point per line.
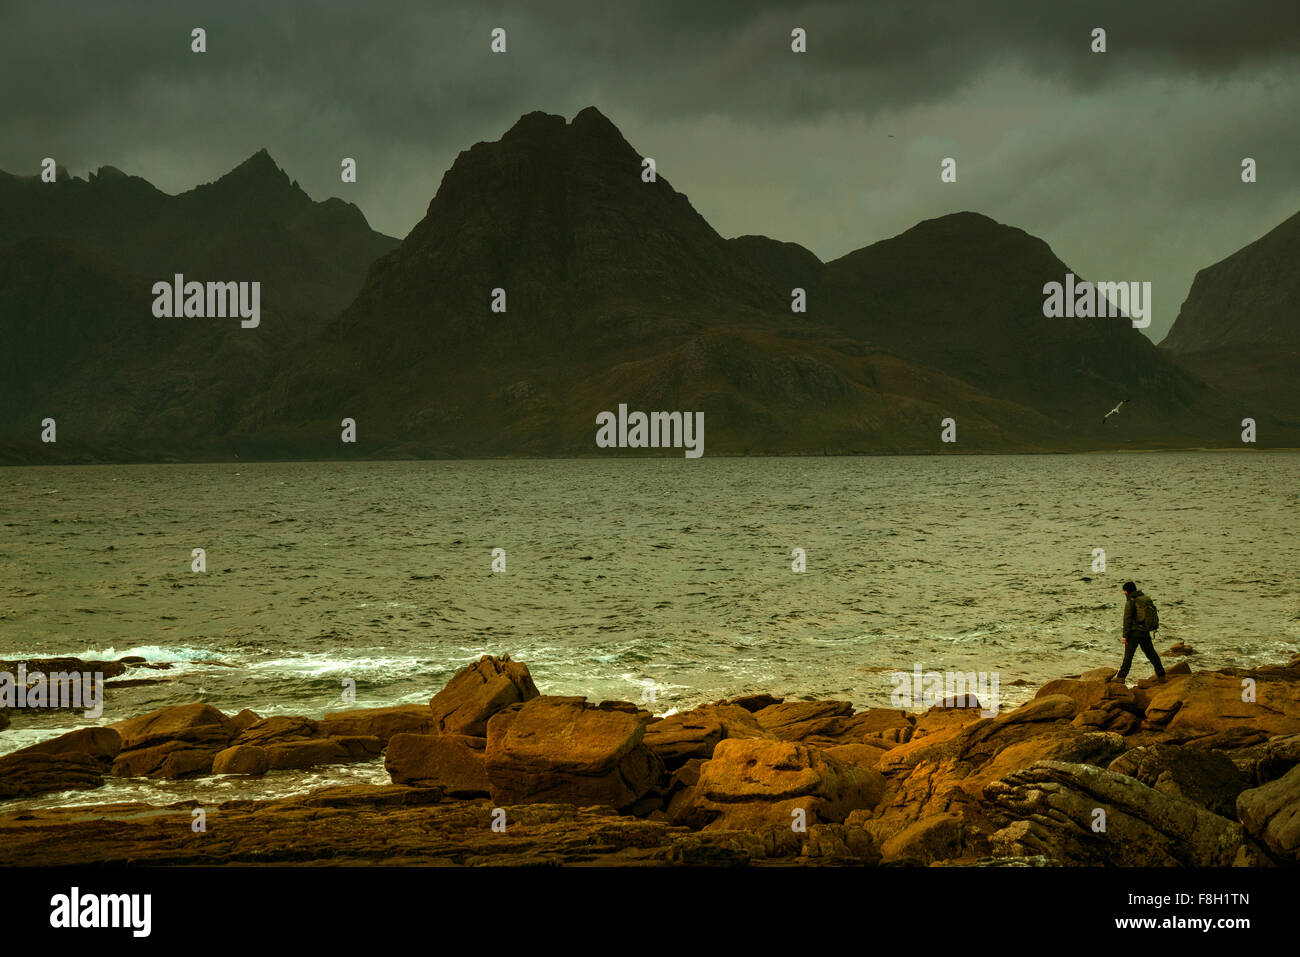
383	826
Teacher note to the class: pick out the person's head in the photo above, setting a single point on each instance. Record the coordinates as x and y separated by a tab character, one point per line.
1130	589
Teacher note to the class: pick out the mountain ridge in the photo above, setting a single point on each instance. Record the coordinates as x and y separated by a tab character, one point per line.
616	290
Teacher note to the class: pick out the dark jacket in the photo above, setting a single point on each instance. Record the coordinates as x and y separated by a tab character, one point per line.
1133	628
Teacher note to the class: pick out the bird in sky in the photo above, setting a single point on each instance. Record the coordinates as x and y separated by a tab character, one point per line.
1112	411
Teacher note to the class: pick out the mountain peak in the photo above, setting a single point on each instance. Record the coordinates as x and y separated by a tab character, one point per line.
535	124
591	118
259	168
588	124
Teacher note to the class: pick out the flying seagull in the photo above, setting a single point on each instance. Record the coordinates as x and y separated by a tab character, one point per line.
1112	411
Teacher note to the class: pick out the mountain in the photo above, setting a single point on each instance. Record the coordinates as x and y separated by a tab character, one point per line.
251	224
618	291
965	294
1239	328
78	338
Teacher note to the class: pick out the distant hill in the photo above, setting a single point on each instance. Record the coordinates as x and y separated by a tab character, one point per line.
1240	326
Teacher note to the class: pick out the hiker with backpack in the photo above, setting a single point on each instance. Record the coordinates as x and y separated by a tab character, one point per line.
1140	621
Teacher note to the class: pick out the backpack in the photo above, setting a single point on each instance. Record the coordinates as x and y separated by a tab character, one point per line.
1147	616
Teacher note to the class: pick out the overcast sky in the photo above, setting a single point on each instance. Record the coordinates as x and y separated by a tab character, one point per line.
1127	163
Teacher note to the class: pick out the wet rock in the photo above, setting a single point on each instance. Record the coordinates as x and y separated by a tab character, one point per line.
241	759
381	723
279	728
63	665
478	692
173	742
244	720
194	723
456	763
298	753
169	759
387	825
554	749
26	773
100	743
77	760
753	702
360	747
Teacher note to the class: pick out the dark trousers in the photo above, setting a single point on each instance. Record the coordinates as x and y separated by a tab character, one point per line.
1143	640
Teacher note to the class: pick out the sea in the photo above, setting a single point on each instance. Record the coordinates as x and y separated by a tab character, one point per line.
664	581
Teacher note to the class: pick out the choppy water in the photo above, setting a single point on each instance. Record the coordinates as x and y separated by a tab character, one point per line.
671	570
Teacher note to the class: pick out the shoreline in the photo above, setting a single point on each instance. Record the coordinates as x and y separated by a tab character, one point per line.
492	772
619	455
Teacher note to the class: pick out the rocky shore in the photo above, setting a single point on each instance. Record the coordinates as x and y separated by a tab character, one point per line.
1201	770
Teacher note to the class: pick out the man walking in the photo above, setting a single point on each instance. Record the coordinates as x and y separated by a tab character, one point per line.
1140	620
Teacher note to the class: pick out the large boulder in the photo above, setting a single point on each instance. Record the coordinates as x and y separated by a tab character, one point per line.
1194	707
281	727
1090	694
27	773
194	723
1271	815
291	742
298	753
70	762
167	759
566	751
173	742
754	783
101	743
1207	778
694	734
478	692
456	763
381	723
247	759
1053	809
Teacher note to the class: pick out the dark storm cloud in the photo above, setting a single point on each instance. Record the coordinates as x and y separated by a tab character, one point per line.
1098	154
